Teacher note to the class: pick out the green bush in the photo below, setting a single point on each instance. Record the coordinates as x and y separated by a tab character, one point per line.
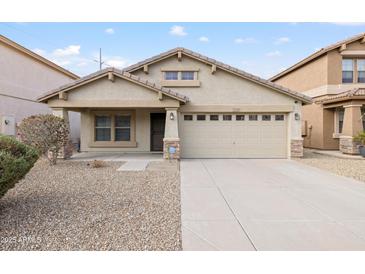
16	159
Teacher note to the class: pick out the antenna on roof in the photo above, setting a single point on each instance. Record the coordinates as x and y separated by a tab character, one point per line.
100	61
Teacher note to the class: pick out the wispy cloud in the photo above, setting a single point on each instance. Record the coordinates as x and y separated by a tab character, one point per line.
204	39
109	31
117	62
248	40
351	24
177	31
282	40
67	51
273	53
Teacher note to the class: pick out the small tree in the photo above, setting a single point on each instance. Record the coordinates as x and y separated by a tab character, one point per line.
47	133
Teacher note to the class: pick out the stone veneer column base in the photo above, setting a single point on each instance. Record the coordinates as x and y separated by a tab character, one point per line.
171	143
296	148
348	145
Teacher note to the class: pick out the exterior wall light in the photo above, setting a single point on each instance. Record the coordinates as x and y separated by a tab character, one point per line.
7	122
297	116
172	116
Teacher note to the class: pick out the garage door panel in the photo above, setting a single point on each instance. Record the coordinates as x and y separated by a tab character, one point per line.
233	139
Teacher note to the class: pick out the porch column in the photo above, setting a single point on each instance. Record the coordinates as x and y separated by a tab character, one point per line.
352	125
295	132
66	152
171	140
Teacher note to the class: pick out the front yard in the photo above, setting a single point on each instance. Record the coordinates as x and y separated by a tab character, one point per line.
72	206
353	168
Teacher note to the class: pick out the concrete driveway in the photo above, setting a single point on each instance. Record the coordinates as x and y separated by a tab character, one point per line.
239	204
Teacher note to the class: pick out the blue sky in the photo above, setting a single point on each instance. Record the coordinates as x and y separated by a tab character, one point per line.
263	49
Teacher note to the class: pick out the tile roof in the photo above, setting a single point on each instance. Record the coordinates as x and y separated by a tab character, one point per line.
116	72
223	66
318	54
346	95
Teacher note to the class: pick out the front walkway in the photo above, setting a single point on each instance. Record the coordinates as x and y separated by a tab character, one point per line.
116	156
237	204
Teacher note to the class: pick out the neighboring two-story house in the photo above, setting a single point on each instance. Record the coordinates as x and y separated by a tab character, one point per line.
24	76
186	105
335	78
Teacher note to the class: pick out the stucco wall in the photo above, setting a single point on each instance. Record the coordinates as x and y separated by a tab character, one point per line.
23	76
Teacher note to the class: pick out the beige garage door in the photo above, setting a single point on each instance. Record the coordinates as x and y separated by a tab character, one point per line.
233	135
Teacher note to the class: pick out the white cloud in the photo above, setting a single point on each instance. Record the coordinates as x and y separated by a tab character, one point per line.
273	53
67	51
40	51
116	61
204	39
177	31
248	40
282	40
109	31
61	62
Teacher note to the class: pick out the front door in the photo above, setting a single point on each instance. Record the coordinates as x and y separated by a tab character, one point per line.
157	131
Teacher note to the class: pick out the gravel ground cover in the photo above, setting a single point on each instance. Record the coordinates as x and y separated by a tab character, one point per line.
353	168
72	206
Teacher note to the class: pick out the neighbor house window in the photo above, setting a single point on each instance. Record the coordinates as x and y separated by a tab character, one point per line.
340	115
227	117
103	128
363	117
347	71
200	117
360	70
171	75
266	117
253	117
279	117
122	124
188	117
187	75
214	117
240	117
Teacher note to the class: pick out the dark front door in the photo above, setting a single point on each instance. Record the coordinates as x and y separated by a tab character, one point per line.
157	131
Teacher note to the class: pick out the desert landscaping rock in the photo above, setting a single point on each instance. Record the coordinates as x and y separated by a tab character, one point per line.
72	206
353	168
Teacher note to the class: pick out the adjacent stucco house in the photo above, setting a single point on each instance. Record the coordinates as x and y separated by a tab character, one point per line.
335	78
184	104
24	75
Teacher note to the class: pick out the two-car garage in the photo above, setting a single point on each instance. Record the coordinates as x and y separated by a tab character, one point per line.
233	135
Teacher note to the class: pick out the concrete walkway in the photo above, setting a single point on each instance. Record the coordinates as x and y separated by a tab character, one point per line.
238	204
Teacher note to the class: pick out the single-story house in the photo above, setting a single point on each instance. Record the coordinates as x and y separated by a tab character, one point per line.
186	105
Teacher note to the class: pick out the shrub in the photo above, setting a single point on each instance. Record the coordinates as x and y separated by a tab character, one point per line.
47	133
16	159
360	138
98	163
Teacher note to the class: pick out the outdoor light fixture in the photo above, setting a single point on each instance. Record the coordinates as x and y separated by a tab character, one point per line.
172	116
7	122
297	116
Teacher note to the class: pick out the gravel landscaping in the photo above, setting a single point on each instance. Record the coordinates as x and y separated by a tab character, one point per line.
353	168
72	206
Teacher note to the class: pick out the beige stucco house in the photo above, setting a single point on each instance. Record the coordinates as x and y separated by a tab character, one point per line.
186	105
335	78
24	75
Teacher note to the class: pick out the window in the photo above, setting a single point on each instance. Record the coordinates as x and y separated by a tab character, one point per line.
279	117
347	71
122	128
266	117
240	117
363	117
340	115
214	117
360	70
227	117
103	128
253	117
171	75
200	117
188	117
187	75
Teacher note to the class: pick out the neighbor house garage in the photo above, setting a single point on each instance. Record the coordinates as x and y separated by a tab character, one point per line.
186	105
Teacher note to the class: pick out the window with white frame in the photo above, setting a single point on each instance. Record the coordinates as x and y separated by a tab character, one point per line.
187	75
363	117
347	71
171	75
122	125
103	129
340	114
360	70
